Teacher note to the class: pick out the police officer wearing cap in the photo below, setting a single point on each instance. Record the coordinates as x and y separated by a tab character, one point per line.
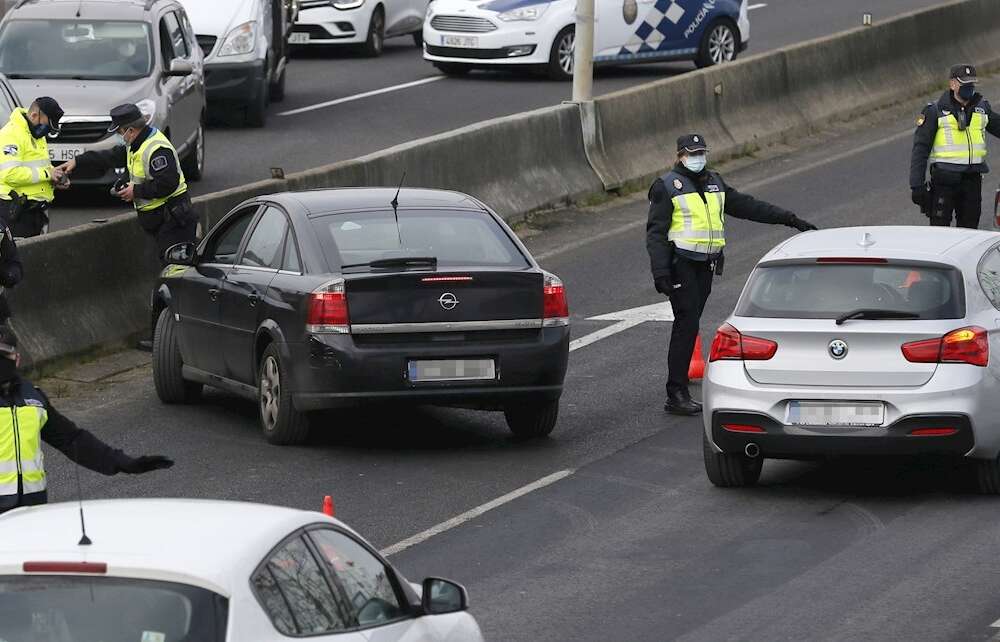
951	138
27	178
157	186
27	418
685	237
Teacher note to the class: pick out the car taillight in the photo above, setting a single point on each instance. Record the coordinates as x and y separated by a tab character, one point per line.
97	568
730	344
933	432
555	309
966	345
328	309
742	428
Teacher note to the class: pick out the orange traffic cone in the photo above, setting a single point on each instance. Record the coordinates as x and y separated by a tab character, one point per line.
328	506
697	368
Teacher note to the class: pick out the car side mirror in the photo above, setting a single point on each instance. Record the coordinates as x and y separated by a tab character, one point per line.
442	596
180	254
179	68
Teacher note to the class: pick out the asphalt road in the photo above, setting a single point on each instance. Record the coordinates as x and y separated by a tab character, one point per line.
623	538
361	125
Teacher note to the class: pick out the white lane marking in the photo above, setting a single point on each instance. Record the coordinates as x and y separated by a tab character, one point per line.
628	227
995	625
367	94
626	319
458	520
757	6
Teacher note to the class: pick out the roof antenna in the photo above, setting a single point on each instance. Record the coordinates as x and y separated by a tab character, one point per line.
79	7
84	541
395	208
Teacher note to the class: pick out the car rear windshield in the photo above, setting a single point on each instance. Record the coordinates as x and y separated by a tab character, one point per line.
454	238
81	49
827	291
78	608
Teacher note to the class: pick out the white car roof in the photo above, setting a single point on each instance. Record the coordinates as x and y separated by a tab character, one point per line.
212	544
918	242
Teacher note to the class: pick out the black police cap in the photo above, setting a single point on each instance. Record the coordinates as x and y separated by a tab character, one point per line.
50	108
124	115
692	143
964	74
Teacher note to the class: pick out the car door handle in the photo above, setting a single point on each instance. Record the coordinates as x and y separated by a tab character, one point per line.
253	300
213	294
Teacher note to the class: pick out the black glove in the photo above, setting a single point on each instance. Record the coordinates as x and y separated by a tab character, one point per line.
919	196
664	285
145	464
800	225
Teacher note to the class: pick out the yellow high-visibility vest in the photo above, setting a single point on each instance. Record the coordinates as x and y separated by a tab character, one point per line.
25	167
697	225
139	170
21	449
960	146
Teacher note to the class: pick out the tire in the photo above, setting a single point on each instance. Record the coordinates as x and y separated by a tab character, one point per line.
193	164
532	420
171	387
720	43
987	476
454	69
277	89
282	424
256	111
376	34
729	470
418	39
560	65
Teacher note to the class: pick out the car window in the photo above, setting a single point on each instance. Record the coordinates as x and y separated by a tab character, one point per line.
186	32
264	249
829	290
291	261
224	244
365	581
989	275
293	591
167	43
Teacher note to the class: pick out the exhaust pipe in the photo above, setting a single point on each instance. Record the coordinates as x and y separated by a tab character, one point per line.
752	451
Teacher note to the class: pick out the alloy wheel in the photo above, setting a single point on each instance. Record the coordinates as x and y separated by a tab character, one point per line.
270	393
721	44
565	52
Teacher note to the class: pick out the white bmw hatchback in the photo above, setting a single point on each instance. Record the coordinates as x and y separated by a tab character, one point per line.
860	341
172	570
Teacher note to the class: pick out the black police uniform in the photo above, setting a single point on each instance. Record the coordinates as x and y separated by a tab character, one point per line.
11	270
954	189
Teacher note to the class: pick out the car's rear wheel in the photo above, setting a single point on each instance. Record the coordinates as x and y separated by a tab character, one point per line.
193	164
281	422
171	387
728	470
531	420
560	65
987	476
719	44
453	68
376	34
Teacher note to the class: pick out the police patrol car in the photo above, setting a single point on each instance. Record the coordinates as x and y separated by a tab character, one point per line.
463	34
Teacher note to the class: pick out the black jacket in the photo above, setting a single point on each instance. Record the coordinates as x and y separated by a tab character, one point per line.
62	434
927	125
661	214
164	175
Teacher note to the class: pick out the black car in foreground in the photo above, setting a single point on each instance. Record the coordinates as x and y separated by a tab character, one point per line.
320	299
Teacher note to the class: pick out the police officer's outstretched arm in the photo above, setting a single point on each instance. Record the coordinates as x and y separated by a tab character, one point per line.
660	250
90	452
740	205
11	270
993	126
99	160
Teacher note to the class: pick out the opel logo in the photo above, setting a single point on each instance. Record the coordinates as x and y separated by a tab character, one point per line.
838	349
448	301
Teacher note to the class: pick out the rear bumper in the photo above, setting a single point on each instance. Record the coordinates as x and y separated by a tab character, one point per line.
330	371
234	82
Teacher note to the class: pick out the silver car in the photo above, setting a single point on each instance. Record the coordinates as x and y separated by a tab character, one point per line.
92	55
860	341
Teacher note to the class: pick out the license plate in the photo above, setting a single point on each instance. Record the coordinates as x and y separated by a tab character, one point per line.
298	38
452	370
834	413
64	153
467	42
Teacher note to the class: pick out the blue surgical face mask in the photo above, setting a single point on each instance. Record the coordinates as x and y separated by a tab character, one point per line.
966	92
695	163
40	131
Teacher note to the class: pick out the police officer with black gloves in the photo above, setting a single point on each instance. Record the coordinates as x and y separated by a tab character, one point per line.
27	419
951	137
685	236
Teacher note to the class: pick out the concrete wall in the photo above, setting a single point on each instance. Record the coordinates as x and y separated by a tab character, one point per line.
89	286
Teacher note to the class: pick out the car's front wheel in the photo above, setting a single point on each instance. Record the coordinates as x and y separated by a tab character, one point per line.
728	470
560	65
719	44
256	109
532	420
171	387
281	422
193	164
375	42
418	38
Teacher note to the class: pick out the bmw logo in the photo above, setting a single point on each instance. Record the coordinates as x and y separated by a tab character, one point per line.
838	349
448	301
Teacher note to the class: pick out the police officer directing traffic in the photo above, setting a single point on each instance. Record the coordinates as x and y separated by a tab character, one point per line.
685	237
27	419
157	186
951	137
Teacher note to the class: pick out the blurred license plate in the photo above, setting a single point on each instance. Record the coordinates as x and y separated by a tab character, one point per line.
824	413
470	42
298	38
452	370
64	153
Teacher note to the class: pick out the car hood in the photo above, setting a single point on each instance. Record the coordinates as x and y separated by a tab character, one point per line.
475	6
217	17
84	97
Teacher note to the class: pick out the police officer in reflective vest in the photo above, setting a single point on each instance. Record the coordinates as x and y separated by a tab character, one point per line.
27	177
157	187
27	418
951	137
685	237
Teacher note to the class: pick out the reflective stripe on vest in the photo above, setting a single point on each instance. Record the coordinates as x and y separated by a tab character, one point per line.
21	449
960	147
138	169
698	226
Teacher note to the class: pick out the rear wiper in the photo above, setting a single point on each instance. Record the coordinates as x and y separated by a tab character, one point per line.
866	313
402	262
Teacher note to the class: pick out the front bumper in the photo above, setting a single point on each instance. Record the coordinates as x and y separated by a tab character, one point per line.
331	26
236	82
518	43
330	371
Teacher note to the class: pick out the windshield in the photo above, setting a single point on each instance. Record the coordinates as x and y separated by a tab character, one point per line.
79	49
453	238
829	291
56	608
